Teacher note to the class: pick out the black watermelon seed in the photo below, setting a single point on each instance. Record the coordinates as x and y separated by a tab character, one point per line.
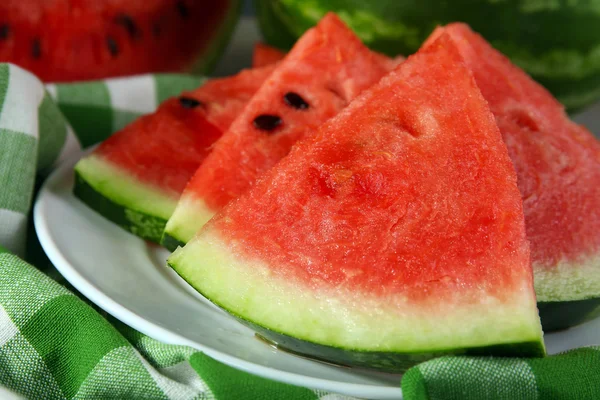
129	24
182	9
36	49
4	31
113	48
295	100
266	122
189	102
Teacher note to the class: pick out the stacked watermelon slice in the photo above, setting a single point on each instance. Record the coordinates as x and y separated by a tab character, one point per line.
369	221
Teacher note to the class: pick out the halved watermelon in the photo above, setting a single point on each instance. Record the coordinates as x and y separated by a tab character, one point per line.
558	167
393	234
326	69
135	177
265	55
68	40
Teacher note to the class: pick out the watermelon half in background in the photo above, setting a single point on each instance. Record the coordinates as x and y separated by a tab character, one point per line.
393	235
326	69
135	177
558	167
71	40
556	42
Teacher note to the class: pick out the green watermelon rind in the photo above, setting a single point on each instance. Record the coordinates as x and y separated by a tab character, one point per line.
568	65
188	217
273	30
381	361
207	60
203	263
385	361
116	197
169	242
560	315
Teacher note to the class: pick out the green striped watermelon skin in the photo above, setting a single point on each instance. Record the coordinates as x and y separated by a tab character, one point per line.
558	44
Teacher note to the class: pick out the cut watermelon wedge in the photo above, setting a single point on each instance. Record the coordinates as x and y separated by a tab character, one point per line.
394	234
325	70
135	177
265	55
558	166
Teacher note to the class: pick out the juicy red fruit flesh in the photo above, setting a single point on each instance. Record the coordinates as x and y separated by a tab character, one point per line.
165	148
68	40
158	158
326	69
385	185
557	161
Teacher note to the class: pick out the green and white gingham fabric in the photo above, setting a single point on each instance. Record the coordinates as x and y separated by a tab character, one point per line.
55	345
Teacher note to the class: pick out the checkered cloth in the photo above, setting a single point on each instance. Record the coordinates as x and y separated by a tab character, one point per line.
54	345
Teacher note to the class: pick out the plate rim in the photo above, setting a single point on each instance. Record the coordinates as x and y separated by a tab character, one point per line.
63	172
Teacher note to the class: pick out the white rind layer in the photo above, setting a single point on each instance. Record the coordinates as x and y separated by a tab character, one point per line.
568	280
117	185
350	320
189	216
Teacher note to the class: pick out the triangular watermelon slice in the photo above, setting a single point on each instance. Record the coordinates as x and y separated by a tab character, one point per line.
558	169
326	69
136	176
394	234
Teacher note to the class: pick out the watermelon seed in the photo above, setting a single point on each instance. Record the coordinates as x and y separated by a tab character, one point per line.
182	9
129	24
4	31
188	102
295	100
266	122
112	46
36	49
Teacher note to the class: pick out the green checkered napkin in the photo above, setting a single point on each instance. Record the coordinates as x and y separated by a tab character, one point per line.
54	345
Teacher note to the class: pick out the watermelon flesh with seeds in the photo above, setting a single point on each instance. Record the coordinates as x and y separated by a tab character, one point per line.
136	176
327	68
393	234
558	169
70	40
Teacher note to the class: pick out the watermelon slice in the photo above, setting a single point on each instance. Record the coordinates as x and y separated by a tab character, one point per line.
265	55
328	67
558	167
394	234
68	40
135	177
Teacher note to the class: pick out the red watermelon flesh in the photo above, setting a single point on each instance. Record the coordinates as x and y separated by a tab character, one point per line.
326	69
558	169
164	149
68	40
397	228
265	55
158	153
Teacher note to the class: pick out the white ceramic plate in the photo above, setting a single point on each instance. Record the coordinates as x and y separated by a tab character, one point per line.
128	278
